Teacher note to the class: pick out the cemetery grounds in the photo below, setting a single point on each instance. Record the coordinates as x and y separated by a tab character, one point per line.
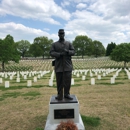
103	105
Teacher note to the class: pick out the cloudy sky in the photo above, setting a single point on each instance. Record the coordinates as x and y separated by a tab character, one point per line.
103	20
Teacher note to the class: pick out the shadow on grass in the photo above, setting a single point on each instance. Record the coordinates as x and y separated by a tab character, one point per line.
90	122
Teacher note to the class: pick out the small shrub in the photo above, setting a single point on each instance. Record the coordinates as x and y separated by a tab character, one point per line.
69	125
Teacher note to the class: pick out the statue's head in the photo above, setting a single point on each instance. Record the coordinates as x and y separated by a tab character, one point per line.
61	33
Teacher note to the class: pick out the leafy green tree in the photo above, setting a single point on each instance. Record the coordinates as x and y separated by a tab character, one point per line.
83	45
8	51
35	50
98	48
23	47
109	48
121	53
44	43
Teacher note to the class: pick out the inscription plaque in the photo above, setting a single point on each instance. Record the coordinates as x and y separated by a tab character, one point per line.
63	113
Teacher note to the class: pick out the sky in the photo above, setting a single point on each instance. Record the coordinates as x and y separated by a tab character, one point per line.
103	20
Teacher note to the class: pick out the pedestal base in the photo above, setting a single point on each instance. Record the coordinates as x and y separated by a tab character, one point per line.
63	110
50	126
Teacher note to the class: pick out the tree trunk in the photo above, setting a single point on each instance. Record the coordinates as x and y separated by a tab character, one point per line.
3	66
82	56
124	64
23	54
43	56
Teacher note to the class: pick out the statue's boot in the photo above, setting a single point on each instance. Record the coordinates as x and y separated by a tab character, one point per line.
60	95
67	96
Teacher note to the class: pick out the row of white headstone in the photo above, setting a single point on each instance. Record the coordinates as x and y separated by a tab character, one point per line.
22	73
7	83
36	74
105	72
80	72
98	74
93	72
75	72
128	73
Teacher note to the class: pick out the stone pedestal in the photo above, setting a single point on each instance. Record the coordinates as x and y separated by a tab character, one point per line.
63	110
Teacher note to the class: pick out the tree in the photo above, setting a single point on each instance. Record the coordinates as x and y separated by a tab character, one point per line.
121	53
23	47
109	48
83	45
8	51
35	50
98	48
44	43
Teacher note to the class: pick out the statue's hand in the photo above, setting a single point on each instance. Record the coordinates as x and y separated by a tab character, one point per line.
65	50
62	53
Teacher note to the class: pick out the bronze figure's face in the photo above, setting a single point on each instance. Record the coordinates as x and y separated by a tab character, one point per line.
61	33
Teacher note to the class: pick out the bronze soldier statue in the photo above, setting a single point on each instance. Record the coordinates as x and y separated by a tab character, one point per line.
62	51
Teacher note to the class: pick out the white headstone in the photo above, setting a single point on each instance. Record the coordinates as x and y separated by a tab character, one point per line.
92	81
39	76
99	76
30	74
6	84
114	76
35	79
96	73
77	75
128	76
6	75
112	80
91	74
104	74
50	82
29	83
18	75
17	79
25	76
83	77
11	77
1	80
72	81
2	74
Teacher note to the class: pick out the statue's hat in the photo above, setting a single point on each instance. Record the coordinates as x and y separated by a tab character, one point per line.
61	31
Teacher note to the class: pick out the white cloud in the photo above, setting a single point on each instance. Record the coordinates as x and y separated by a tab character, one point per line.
103	20
31	9
97	28
21	32
81	6
65	3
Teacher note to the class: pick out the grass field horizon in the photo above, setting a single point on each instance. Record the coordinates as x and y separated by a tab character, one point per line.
26	108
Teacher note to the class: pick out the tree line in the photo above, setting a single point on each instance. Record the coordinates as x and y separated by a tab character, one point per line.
84	46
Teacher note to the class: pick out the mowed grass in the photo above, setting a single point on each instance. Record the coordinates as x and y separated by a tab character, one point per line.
103	106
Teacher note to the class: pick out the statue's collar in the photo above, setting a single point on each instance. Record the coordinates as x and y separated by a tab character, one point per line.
62	41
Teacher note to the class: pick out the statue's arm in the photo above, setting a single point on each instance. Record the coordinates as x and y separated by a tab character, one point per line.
53	53
71	50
